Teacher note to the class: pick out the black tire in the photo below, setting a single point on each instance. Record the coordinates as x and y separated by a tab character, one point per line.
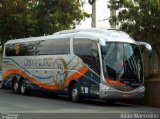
1	85
23	89
54	95
110	102
15	86
74	93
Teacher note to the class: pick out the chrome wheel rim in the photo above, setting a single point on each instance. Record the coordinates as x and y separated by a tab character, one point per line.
74	94
22	88
15	86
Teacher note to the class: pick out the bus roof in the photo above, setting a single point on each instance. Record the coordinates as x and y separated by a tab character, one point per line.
47	37
110	35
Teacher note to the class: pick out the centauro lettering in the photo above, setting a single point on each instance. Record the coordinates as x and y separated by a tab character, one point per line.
37	62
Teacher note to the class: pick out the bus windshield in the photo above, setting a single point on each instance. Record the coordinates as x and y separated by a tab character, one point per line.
123	65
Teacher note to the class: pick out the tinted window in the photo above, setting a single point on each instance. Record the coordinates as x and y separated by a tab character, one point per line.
82	47
87	50
44	47
10	50
54	47
20	49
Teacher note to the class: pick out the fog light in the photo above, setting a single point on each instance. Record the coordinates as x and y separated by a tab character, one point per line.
106	93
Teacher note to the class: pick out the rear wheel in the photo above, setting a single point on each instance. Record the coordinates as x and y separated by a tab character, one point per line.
23	89
15	86
1	86
74	93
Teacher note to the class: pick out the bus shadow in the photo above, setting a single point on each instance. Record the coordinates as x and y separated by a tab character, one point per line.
84	101
102	103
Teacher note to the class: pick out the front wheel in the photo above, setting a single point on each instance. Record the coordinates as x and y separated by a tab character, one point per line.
74	93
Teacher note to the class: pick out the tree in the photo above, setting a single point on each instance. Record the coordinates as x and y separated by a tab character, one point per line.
24	18
139	18
12	20
50	16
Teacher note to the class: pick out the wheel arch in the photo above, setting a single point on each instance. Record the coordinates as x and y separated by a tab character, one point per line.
72	82
18	78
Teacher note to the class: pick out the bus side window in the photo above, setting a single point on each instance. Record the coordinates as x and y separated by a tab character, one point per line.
21	49
54	47
87	50
10	50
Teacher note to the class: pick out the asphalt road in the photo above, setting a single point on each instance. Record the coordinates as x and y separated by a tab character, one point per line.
47	105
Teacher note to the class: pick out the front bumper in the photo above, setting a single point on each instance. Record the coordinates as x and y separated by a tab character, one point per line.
106	92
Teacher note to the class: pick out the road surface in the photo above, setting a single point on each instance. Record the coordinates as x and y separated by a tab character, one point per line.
47	105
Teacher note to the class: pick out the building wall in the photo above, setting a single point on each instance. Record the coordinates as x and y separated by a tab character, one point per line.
152	77
152	95
152	64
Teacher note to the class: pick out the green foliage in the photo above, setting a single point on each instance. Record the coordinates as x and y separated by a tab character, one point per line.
12	19
24	18
139	18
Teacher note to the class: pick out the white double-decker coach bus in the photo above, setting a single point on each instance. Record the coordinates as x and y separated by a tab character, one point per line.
93	63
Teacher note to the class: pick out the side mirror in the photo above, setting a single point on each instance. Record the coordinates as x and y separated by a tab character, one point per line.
148	47
103	49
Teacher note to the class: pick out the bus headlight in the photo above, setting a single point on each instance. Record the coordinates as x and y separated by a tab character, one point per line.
105	87
141	89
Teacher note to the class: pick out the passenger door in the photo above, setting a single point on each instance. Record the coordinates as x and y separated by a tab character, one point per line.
87	50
